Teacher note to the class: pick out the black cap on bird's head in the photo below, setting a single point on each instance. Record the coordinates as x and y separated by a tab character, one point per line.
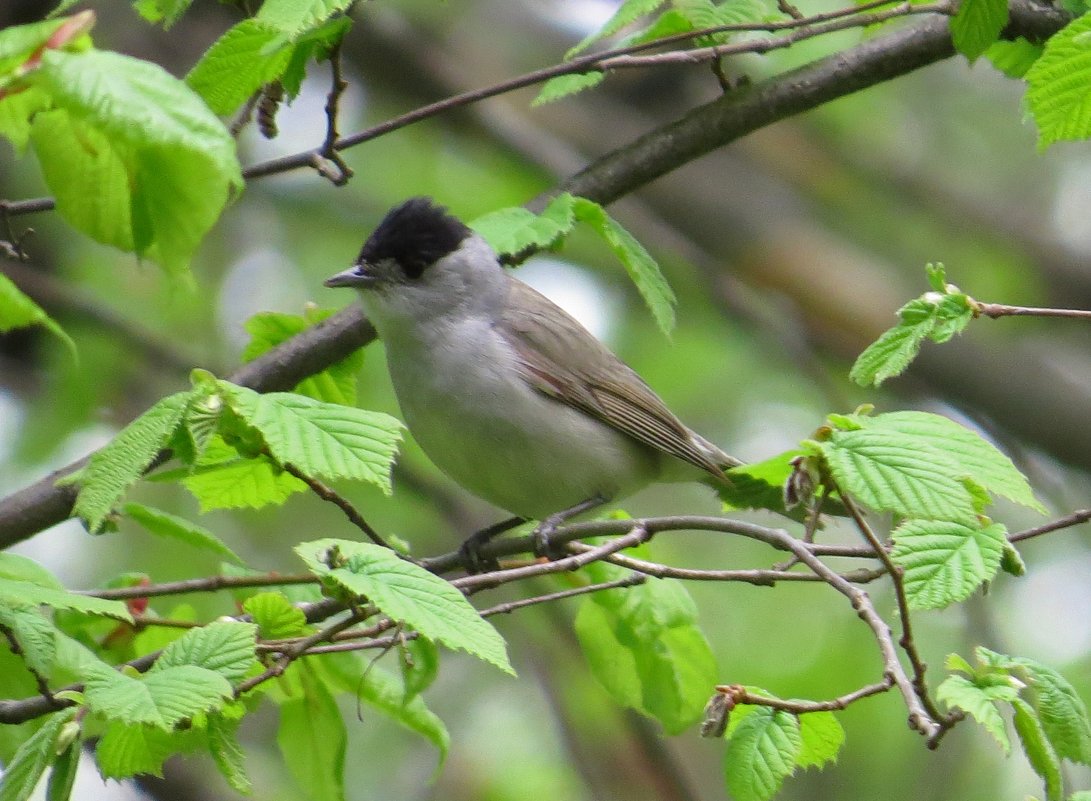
414	235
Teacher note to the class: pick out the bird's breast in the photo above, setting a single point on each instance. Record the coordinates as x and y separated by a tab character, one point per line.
467	406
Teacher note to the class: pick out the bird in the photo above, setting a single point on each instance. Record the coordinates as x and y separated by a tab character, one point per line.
503	390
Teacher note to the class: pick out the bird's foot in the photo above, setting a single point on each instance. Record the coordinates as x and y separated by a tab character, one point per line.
470	553
542	537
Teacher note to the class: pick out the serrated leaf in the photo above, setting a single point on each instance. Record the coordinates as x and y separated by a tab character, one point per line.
408	593
35	635
161	698
565	85
226	648
162	163
276	617
178	528
228	755
241	483
890	471
23	593
642	268
1059	85
312	737
21	568
977	25
643	645
293	17
124	459
761	753
239	63
978	458
1037	747
19	311
821	737
1014	58
22	773
336	384
323	440
515	229
627	13
125	750
1061	711
959	692
944	562
889	355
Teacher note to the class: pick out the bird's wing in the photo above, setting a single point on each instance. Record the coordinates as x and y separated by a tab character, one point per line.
559	358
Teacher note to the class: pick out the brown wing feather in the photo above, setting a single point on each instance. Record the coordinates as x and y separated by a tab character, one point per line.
595	381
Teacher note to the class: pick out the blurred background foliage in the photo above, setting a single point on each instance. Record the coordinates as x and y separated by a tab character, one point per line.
789	251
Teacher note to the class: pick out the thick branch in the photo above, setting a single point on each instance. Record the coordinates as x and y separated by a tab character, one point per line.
654	154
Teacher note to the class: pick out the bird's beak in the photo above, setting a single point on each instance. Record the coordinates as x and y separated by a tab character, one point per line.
356	276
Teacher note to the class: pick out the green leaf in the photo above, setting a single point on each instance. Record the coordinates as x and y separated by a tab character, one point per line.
937	315
891	471
276	617
226	752
1014	58
17	112
643	645
565	85
25	594
513	230
22	773
420	666
821	737
19	311
142	144
977	25
959	692
889	355
761	752
312	737
120	463
1059	85
1061	711
36	636
408	593
642	268
336	384
1037	747
323	440
627	13
167	12
241	483
63	776
173	527
160	698
382	690
292	17
976	457
223	647
125	750
944	562
21	568
239	63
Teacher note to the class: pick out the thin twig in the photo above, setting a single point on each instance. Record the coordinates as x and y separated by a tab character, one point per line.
740	695
511	606
994	310
204	584
1074	519
327	494
907	643
293	652
327	154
